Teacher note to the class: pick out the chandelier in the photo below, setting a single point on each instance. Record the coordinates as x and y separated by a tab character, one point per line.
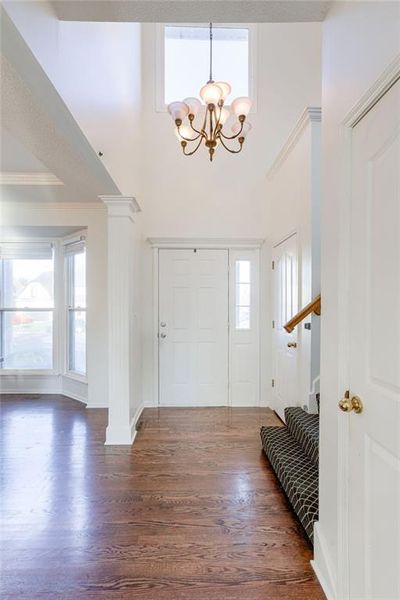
211	132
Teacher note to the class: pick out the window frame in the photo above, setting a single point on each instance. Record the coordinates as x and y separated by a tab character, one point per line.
161	106
68	308
55	310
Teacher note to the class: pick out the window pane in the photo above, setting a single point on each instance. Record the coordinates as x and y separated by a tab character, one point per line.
77	341
242	271
242	317
27	340
187	60
243	294
28	283
79	284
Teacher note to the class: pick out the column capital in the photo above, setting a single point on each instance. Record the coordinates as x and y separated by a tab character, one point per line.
121	206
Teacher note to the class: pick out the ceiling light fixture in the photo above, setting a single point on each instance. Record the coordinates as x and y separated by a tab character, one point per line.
213	94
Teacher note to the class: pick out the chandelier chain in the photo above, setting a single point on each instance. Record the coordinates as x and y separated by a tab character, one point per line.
211	50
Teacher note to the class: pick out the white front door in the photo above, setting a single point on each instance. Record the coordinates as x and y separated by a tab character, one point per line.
193	327
285	306
374	360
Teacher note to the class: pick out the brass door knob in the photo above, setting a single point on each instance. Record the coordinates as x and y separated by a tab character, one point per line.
292	345
348	404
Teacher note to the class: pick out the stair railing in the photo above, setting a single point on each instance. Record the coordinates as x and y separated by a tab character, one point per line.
313	307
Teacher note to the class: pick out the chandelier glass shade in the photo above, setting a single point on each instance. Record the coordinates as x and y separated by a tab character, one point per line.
219	125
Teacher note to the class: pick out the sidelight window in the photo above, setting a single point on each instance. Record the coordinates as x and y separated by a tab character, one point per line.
243	294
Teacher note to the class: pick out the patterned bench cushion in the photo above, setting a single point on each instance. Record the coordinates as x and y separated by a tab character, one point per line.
304	427
296	472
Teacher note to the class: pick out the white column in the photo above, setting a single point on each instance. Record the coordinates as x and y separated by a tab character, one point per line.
121	211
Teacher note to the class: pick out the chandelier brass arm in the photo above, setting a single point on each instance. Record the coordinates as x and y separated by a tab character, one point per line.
241	140
184	144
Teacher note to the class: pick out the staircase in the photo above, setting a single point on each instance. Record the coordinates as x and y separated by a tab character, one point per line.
293	454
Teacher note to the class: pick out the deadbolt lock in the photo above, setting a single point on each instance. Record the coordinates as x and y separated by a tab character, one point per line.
348	404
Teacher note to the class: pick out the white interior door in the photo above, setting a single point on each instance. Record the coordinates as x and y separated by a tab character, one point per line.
374	362
193	327
285	305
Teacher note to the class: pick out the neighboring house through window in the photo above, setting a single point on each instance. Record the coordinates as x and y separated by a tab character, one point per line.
27	305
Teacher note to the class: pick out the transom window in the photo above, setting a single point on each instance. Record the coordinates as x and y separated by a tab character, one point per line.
186	60
27	306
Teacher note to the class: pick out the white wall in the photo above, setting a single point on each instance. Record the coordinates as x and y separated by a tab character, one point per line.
292	195
191	197
360	39
96	69
93	217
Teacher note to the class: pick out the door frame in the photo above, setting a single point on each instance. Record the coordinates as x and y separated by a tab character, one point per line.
275	245
366	102
228	244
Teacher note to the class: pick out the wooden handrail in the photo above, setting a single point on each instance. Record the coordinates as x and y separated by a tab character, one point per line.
314	306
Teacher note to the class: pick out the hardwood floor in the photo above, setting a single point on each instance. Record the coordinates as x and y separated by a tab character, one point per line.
192	511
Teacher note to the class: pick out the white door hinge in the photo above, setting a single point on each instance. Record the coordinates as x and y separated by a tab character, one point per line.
273	383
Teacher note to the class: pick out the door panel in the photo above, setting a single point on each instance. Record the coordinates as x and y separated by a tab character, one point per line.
374	361
193	327
285	306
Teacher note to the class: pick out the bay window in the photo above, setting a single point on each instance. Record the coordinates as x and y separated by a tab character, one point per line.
75	254
26	306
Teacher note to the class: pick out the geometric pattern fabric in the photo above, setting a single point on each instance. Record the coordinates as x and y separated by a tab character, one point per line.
304	427
297	473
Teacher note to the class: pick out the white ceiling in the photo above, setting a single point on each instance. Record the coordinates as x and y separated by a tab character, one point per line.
42	135
16	158
192	11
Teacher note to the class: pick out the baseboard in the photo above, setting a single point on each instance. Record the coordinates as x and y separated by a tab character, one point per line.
322	564
96	405
125	435
73	397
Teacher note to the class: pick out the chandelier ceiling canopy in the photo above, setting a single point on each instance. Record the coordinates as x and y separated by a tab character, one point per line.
211	132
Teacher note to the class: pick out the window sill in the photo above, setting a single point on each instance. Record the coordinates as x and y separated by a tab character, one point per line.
76	376
30	372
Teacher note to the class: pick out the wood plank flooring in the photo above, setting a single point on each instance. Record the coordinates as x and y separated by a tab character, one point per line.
192	511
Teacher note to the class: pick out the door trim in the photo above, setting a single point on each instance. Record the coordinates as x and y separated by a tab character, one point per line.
191	243
206	243
367	101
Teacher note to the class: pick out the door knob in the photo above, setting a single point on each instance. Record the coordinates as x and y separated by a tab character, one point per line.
292	345
348	404
163	324
163	335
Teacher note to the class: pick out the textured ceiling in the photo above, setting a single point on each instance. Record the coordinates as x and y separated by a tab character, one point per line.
43	131
192	11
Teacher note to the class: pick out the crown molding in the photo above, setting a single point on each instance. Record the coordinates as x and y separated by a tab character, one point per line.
190	243
28	178
311	114
121	206
384	82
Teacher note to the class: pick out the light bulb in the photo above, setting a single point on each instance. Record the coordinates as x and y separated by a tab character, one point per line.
225	87
178	110
236	128
225	114
211	93
184	132
241	106
193	105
